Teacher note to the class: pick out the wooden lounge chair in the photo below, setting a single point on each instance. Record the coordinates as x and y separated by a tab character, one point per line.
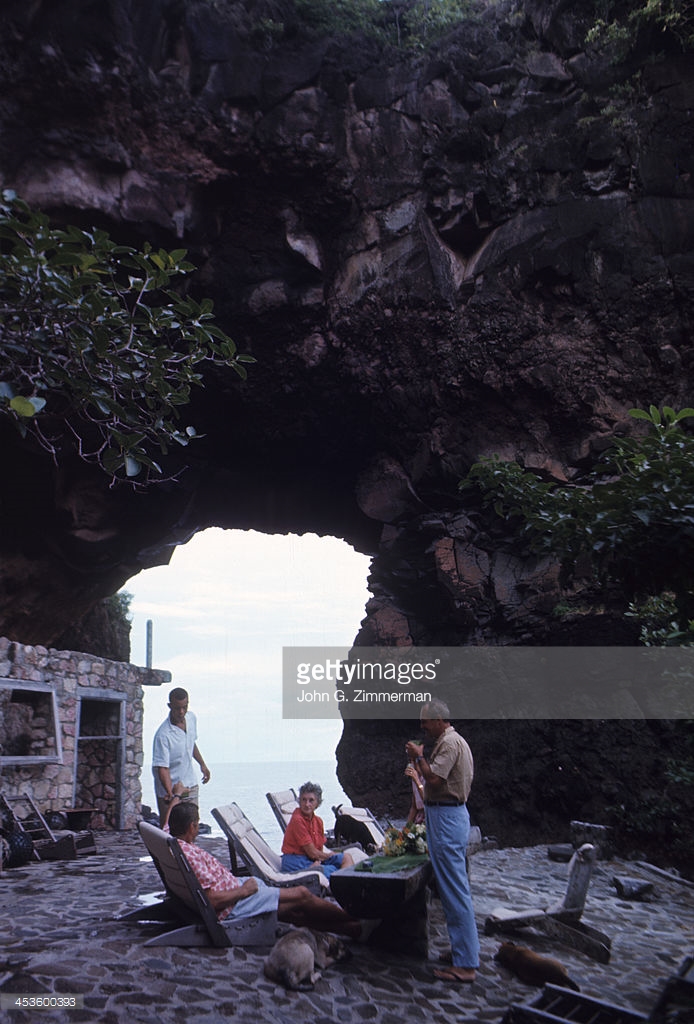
561	920
246	844
284	803
556	1005
48	844
283	806
186	902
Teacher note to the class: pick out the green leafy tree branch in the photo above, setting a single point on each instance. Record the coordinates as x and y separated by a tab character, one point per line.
619	22
631	518
100	352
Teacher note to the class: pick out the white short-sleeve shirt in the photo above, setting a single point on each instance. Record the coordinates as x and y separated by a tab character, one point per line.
173	749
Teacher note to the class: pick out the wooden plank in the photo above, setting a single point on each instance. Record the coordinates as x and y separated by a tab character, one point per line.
578	936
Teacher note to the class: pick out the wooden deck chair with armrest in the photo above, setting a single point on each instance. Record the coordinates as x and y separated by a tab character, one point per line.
186	902
561	920
284	804
246	844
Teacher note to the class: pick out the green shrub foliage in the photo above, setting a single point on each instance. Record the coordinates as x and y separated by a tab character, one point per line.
406	24
631	518
619	24
100	353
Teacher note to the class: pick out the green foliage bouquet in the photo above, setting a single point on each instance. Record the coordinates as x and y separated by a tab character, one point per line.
410	839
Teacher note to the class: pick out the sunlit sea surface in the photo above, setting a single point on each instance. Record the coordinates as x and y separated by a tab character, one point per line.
247	783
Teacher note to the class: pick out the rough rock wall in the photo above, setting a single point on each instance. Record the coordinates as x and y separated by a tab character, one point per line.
104	631
533	778
432	257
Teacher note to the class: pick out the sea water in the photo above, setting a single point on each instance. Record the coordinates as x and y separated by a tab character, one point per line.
246	785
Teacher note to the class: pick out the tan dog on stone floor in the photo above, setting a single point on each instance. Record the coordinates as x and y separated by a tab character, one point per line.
295	958
532	968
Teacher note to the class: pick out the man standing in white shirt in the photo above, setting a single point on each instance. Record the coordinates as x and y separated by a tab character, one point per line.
174	750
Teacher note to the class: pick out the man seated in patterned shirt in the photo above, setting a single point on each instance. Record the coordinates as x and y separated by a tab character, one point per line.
232	898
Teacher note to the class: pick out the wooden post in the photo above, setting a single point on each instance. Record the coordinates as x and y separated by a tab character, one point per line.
580	871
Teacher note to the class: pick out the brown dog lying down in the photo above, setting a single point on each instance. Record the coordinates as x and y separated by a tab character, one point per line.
532	968
295	958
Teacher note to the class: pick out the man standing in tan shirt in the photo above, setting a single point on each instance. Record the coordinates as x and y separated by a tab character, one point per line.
447	778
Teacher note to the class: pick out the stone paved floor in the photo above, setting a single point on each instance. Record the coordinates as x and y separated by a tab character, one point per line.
59	935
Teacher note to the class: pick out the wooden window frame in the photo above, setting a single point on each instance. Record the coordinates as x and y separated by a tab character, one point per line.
31	687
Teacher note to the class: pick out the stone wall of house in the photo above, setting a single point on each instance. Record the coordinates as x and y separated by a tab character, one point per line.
99	707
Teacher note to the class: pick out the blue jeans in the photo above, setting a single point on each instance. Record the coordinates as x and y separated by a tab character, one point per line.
448	829
298	862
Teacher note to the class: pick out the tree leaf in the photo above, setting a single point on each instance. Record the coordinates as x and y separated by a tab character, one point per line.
22	406
83	319
132	466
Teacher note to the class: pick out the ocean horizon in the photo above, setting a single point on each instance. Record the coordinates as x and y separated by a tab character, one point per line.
246	784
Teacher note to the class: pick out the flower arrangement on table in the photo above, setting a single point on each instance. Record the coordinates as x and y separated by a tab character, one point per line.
410	839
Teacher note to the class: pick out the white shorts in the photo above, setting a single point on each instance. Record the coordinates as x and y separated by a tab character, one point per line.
266	898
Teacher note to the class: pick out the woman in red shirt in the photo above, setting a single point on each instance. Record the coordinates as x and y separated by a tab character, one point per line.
304	840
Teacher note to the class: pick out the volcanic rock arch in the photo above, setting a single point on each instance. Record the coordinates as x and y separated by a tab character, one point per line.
433	257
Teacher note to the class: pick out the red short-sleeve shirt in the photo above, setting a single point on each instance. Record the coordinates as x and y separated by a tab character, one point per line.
301	831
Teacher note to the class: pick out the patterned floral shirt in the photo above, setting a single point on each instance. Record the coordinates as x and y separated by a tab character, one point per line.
210	873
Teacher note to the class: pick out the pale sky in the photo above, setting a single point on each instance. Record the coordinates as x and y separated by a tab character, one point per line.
222	610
